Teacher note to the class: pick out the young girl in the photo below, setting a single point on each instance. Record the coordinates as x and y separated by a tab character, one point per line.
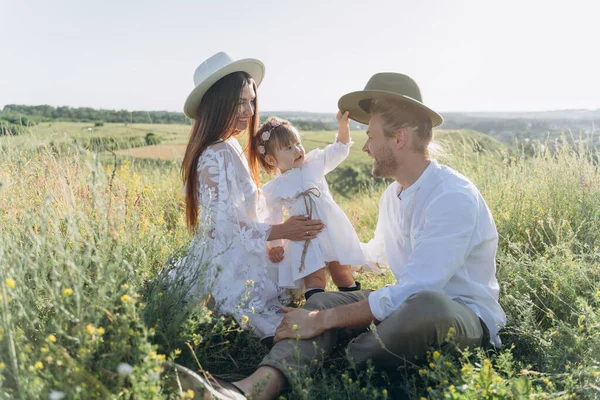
301	189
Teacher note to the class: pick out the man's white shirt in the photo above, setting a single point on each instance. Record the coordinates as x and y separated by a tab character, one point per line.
439	235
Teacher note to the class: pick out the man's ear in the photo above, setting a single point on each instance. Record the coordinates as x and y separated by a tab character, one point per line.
400	139
272	161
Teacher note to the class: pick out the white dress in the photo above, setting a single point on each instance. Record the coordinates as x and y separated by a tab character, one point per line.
338	241
228	257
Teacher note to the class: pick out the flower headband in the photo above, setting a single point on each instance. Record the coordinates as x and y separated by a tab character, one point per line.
267	134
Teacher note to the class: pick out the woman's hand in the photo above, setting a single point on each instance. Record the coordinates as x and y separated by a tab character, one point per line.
300	228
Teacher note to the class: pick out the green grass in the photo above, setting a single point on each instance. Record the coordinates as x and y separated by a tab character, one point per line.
82	243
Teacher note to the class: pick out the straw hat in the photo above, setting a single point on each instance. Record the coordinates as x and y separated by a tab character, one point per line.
215	68
385	85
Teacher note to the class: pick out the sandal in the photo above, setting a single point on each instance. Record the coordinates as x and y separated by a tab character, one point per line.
202	382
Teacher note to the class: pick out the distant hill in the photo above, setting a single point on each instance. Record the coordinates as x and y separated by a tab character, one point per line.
504	126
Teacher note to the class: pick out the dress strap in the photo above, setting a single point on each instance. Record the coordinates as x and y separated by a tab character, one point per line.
309	197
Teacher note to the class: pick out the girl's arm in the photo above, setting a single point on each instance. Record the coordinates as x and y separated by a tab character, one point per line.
343	135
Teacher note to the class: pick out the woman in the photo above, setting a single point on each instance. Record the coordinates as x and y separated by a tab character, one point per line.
223	205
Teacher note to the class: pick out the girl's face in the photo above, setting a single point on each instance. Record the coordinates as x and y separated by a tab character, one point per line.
246	107
291	156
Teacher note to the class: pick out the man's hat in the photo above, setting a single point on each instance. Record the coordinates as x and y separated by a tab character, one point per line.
384	85
215	68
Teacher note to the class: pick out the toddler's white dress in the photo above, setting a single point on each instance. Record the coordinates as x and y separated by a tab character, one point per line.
298	188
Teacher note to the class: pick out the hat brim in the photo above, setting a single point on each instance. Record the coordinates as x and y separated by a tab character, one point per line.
351	102
251	66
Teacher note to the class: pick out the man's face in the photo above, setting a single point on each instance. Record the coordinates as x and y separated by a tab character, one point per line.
378	147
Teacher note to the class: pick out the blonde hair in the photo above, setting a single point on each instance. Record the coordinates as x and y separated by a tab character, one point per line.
281	134
396	114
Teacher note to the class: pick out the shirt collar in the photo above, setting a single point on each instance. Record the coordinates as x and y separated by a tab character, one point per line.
409	191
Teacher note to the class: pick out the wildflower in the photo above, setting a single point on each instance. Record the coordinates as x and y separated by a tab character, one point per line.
10	282
67	292
431	365
452	388
39	365
2	366
124	369
177	352
125	298
295	327
190	394
497	379
51	338
436	355
56	395
448	364
244	319
90	329
44	349
349	380
100	330
422	372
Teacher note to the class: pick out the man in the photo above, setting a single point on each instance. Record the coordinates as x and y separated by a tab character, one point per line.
434	231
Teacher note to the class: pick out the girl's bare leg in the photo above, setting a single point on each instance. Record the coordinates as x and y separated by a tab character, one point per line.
340	274
316	280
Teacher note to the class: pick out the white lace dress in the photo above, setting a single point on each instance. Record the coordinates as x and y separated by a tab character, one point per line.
230	247
338	241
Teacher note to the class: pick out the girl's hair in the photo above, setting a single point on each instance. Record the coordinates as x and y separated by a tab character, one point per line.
215	119
274	134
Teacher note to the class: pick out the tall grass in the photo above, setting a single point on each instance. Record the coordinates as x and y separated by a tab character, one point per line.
85	314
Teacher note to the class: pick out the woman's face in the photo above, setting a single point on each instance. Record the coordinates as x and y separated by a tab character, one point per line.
245	109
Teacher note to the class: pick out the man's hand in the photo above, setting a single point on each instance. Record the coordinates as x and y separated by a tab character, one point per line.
343	135
299	323
276	254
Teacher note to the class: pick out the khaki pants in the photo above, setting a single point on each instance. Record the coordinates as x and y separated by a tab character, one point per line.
422	321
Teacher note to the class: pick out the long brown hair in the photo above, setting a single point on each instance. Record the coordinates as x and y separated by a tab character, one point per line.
215	119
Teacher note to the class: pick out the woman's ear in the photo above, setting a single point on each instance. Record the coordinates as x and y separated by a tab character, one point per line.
272	161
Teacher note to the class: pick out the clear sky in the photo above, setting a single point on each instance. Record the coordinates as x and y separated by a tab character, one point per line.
466	55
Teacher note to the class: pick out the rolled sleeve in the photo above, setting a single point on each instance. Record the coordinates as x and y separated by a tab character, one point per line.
381	303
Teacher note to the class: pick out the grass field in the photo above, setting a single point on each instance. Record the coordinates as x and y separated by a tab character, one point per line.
83	236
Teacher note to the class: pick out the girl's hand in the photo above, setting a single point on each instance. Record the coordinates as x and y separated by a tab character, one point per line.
300	228
276	254
343	135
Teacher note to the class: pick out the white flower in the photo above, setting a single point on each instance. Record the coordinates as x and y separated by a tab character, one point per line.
124	369
56	395
154	376
265	136
261	149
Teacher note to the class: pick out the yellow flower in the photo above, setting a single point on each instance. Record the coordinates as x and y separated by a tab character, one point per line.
67	292
90	329
125	298
2	366
100	330
51	338
436	355
295	327
177	352
245	319
10	282
422	372
39	365
497	379
44	350
431	365
190	394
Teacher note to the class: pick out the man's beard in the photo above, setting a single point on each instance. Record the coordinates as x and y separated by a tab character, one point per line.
384	164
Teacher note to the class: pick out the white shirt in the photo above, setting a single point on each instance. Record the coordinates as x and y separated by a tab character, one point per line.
439	236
